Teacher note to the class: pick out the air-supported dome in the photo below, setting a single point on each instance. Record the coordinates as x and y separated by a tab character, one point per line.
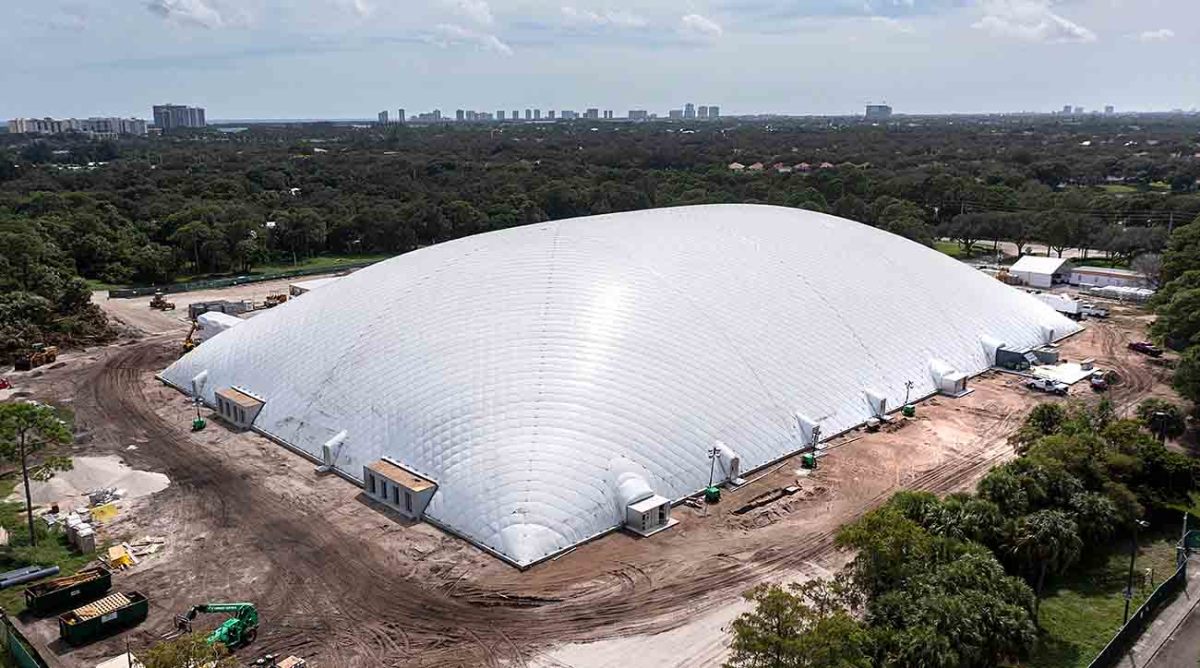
532	372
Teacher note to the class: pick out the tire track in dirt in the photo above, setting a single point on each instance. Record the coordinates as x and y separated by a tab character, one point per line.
349	603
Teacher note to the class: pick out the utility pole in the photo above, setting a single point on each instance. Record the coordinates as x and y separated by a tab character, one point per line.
712	463
1132	559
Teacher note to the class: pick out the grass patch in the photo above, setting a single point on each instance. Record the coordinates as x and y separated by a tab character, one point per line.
954	250
1082	610
1118	189
321	262
51	550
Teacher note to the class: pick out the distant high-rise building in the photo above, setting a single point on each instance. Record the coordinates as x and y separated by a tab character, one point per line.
107	127
592	114
172	116
1078	110
499	114
437	114
537	114
608	114
516	116
878	112
529	114
400	117
675	113
383	117
1066	109
460	115
702	111
1108	109
638	114
568	115
550	114
714	111
689	110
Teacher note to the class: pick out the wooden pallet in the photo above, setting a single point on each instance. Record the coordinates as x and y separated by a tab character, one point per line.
108	604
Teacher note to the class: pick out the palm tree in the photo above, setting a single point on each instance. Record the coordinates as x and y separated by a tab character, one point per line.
1045	541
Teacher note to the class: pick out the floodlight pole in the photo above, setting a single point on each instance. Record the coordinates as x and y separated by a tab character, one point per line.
712	464
908	386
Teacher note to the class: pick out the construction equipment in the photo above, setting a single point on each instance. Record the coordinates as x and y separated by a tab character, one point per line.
5	384
189	343
275	300
240	629
159	303
38	355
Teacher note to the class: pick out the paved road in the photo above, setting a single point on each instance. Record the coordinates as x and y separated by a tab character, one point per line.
1171	639
1182	647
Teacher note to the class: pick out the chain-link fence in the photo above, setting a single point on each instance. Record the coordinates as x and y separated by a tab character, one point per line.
211	284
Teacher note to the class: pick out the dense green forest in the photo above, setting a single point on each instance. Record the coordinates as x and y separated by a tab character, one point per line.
152	210
956	582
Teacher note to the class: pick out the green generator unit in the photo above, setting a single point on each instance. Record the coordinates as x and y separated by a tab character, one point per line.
69	591
101	618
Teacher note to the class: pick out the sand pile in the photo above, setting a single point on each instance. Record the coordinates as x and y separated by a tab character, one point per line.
70	488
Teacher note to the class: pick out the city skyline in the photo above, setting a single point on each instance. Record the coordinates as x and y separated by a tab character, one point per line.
332	58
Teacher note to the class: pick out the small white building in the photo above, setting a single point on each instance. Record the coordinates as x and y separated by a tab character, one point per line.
1041	272
1102	277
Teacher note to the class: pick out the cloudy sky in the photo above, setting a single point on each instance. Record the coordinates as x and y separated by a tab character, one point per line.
351	58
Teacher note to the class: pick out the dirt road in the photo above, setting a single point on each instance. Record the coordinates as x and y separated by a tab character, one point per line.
340	582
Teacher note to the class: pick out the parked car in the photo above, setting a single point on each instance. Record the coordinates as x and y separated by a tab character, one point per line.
1048	386
1099	382
1145	348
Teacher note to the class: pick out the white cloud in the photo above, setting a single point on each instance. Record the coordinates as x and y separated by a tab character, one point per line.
1160	35
894	24
448	34
615	18
1031	21
477	11
695	26
187	12
359	7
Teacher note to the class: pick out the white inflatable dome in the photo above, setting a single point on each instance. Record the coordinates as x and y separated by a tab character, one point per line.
533	372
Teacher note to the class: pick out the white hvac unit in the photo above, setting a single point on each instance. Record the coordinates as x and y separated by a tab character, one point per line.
947	379
329	451
730	463
877	403
646	513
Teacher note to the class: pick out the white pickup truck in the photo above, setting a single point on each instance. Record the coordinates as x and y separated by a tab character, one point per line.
1092	311
1048	386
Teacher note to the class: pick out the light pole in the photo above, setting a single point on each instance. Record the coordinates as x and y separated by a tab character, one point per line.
1132	558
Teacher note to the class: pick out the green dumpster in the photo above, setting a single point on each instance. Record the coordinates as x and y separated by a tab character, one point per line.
909	410
110	614
69	591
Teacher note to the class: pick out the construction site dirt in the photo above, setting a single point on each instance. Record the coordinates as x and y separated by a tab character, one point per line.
342	582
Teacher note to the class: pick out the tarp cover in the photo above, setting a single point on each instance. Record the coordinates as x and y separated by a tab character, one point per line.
515	367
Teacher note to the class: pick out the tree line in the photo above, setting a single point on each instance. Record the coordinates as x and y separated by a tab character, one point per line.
152	210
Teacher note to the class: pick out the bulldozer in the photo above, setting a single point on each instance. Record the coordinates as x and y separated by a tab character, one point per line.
38	355
161	304
238	631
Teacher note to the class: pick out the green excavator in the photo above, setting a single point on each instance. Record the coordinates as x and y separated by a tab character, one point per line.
238	630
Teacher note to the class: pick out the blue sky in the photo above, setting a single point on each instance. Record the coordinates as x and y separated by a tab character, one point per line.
351	58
